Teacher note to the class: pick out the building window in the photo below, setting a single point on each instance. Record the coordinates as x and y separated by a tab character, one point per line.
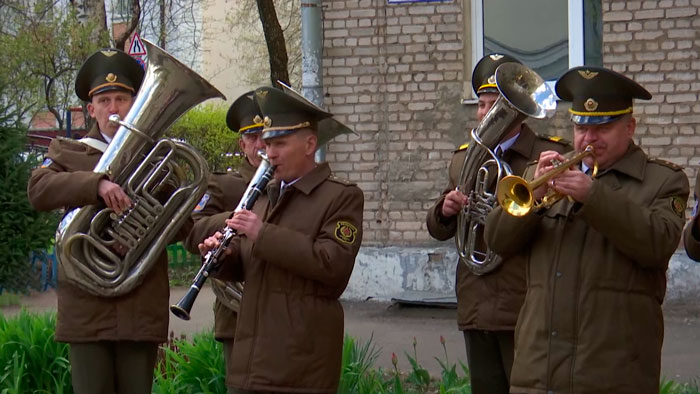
547	36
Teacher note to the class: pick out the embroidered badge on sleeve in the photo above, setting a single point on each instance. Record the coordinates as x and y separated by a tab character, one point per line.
678	205
47	162
345	232
202	203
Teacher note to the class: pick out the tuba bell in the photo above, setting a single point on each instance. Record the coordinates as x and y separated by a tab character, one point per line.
523	94
144	167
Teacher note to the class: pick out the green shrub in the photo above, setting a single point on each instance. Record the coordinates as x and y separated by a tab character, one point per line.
204	127
22	229
31	361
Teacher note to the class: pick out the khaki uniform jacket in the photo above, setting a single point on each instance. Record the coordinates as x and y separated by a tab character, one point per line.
142	315
592	320
223	194
491	301
692	242
291	324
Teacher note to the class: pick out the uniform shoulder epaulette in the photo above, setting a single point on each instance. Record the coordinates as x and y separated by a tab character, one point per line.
665	163
554	138
462	147
341	181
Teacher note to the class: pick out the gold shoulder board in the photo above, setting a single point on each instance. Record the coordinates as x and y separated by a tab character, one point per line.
666	163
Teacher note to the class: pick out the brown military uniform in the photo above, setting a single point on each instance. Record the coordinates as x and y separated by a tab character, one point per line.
592	321
691	240
223	194
290	328
488	305
66	180
491	301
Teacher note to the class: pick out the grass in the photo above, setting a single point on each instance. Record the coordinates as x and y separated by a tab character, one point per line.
32	362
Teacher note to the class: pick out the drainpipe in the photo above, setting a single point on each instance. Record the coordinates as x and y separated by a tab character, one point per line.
311	58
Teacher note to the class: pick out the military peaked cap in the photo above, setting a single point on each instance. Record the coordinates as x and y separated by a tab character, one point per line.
598	95
108	69
484	75
286	111
244	115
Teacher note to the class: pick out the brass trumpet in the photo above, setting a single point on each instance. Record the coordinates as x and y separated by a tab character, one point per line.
515	194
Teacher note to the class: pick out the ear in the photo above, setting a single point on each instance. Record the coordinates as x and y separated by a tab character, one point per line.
91	109
631	126
240	142
311	143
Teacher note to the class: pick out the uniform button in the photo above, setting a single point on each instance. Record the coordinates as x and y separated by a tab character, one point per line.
559	274
554	333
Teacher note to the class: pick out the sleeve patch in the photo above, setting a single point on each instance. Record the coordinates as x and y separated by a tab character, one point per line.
678	205
47	162
345	232
202	203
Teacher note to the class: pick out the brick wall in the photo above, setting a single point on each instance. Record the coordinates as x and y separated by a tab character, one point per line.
396	74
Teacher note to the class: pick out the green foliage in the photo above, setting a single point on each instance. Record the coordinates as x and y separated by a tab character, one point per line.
42	45
195	366
671	387
357	373
204	127
31	361
22	229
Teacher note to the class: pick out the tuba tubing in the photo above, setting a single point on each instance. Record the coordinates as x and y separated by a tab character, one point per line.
211	261
523	94
142	165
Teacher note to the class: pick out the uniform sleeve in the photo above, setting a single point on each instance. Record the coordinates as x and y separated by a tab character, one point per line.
440	227
203	228
691	238
330	257
52	187
647	234
507	235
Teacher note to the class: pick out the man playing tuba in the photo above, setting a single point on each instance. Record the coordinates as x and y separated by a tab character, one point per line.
113	340
596	262
223	194
488	304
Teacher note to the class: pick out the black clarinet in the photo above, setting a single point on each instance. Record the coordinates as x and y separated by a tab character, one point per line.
211	260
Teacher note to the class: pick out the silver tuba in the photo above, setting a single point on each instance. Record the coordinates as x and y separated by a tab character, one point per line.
523	94
145	167
228	293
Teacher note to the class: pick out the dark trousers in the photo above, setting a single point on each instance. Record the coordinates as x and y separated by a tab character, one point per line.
490	359
108	367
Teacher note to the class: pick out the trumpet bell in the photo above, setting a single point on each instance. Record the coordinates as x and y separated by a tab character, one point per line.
515	195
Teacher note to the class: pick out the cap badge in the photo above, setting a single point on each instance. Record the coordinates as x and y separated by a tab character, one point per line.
111	78
267	122
109	53
492	79
496	57
257	119
588	74
590	105
261	93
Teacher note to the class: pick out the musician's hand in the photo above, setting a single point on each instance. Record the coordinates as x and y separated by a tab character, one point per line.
247	223
113	196
574	183
453	203
544	165
211	243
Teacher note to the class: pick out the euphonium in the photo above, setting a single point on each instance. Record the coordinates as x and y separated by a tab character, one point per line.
523	94
516	195
145	168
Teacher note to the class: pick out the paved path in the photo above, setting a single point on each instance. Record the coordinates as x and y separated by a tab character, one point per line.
392	329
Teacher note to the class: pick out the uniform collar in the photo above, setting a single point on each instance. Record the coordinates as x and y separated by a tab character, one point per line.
315	177
95	132
633	163
246	170
525	142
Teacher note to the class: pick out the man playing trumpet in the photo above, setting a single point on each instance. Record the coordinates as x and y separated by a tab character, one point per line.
596	262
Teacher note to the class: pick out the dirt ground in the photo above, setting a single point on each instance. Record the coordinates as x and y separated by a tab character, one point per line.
392	328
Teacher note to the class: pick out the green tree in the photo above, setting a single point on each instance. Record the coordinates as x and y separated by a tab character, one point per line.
22	229
204	127
42	45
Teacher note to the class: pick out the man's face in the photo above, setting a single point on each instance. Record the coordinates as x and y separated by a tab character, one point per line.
609	140
485	103
293	154
250	144
109	103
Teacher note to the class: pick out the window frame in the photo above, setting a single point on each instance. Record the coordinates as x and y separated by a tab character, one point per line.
576	36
